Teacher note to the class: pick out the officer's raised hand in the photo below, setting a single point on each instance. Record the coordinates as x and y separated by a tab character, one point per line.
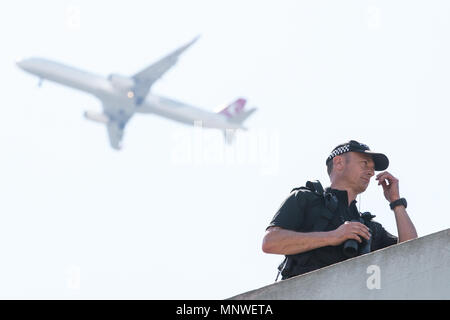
349	230
405	227
390	186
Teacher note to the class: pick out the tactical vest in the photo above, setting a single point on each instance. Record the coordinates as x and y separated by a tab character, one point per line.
320	207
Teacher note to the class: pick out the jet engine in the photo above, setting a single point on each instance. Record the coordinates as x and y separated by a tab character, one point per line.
97	117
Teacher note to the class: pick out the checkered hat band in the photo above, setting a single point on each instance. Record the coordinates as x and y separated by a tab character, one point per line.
339	151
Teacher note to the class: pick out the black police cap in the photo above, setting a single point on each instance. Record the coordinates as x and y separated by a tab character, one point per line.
380	160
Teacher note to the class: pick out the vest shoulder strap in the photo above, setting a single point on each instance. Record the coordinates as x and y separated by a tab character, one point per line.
312	195
315	186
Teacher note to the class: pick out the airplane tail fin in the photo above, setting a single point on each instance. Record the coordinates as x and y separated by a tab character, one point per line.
235	112
241	117
234	108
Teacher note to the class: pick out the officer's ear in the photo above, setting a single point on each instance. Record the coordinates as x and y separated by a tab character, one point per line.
338	163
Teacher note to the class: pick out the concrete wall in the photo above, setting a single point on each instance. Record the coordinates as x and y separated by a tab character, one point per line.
415	269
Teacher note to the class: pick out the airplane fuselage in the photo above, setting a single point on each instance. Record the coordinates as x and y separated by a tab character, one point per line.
116	93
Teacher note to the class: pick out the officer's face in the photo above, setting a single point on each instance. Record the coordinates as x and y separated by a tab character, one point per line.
358	169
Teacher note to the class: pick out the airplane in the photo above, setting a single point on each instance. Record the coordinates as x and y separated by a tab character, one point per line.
123	96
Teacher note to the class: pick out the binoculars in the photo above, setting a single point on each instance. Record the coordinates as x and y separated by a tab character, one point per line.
353	248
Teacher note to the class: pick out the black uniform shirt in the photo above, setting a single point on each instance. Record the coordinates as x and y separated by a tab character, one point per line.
294	215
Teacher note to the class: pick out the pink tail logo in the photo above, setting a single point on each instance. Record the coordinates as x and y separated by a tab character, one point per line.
234	108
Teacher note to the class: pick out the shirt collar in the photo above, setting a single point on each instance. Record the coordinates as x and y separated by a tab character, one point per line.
342	196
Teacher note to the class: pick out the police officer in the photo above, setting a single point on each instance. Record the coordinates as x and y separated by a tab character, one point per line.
312	228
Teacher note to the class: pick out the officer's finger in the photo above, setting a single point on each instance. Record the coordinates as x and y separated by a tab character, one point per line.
360	226
358	229
364	233
380	174
385	177
356	237
382	183
384	173
389	177
361	230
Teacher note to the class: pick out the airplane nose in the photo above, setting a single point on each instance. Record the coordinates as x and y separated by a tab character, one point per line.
20	63
26	64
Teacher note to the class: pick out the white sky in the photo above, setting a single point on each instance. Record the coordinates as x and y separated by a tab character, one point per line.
153	221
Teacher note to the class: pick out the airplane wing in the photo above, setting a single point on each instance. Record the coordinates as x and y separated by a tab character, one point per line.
145	79
115	133
117	120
